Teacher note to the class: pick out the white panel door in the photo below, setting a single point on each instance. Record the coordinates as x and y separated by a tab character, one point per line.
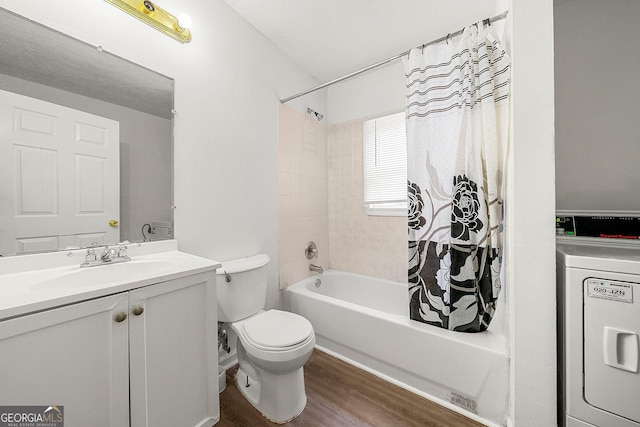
174	353
59	176
75	356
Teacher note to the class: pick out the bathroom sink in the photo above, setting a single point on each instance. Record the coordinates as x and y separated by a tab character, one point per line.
38	282
105	274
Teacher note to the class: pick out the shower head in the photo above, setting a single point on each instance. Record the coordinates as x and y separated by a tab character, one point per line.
315	114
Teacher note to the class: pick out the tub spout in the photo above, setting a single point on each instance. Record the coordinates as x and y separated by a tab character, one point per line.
318	269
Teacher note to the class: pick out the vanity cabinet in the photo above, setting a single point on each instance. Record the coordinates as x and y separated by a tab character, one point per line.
146	357
74	356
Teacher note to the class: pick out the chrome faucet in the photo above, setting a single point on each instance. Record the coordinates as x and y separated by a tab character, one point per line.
318	269
110	255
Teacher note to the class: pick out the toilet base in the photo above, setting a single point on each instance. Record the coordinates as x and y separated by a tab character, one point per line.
279	397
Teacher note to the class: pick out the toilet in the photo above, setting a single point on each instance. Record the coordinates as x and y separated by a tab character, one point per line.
272	345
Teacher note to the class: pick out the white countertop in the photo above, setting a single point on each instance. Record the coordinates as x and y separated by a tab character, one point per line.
31	283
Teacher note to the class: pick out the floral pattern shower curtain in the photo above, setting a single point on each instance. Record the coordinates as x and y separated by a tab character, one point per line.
457	132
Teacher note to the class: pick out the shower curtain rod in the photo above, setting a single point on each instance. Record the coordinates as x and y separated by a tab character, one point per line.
386	61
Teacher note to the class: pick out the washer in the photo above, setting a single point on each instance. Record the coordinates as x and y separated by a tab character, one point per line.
598	332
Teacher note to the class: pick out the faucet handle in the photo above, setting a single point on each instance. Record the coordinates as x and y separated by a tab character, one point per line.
311	250
91	255
122	250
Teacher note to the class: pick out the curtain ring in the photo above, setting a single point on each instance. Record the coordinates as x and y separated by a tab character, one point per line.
447	39
423	49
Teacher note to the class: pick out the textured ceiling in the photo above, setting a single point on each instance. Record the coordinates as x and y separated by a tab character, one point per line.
331	38
38	54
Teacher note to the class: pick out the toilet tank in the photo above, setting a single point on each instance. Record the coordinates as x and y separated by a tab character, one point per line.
241	287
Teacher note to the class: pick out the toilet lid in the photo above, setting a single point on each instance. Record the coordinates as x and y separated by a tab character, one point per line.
275	329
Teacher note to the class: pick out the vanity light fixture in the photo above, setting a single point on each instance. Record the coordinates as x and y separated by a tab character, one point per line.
153	15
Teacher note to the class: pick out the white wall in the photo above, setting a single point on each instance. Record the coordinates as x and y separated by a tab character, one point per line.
597	126
370	94
228	81
530	210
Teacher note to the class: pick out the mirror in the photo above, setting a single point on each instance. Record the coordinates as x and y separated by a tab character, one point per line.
41	63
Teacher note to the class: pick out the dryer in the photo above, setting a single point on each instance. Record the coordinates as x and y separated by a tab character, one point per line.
598	331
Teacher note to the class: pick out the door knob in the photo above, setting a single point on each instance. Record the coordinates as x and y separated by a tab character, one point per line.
120	316
113	222
137	310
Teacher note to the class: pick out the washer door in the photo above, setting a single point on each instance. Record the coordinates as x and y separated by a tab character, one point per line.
611	346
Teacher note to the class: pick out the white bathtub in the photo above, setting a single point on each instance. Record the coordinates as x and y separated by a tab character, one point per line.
365	321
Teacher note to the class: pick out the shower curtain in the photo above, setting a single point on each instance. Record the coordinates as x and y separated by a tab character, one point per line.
457	119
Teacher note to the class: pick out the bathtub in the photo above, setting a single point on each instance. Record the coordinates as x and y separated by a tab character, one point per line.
364	321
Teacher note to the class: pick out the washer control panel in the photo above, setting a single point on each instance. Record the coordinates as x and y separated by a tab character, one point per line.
608	227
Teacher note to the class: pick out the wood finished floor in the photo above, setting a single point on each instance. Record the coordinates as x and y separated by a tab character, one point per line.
339	394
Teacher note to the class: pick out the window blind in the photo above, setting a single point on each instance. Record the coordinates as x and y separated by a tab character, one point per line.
385	165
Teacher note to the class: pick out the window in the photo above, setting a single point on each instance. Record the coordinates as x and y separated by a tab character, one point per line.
385	165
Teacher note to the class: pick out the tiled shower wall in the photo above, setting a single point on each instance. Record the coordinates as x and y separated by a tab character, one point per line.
320	199
302	194
371	245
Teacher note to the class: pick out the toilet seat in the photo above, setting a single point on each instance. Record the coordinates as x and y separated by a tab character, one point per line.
276	330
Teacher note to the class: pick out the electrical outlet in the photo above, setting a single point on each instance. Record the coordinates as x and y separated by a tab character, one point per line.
161	230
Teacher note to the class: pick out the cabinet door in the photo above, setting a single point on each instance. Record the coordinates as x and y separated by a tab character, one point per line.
173	353
75	356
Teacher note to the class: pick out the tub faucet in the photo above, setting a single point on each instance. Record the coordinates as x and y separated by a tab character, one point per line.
318	269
